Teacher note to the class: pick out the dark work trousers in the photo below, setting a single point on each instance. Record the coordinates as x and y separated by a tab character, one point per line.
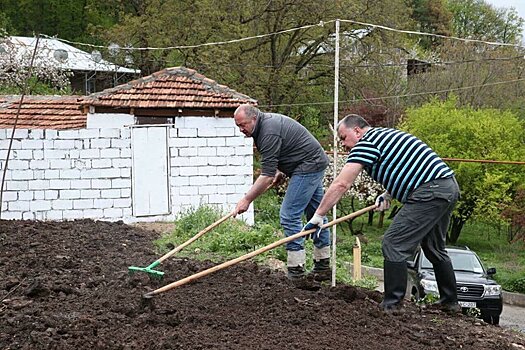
423	219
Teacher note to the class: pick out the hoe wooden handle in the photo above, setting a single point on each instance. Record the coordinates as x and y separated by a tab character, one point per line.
254	253
192	239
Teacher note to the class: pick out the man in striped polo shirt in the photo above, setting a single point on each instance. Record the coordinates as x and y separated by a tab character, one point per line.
412	173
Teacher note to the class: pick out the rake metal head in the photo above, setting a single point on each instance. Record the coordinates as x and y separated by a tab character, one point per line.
148	295
148	269
147	302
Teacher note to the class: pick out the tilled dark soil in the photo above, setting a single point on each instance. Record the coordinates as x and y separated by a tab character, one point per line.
65	285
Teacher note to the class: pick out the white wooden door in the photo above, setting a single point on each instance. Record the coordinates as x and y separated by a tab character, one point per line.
150	189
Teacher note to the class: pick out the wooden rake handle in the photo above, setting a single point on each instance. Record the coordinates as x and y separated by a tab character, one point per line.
192	239
254	253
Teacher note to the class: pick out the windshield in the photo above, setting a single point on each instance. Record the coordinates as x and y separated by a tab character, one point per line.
461	261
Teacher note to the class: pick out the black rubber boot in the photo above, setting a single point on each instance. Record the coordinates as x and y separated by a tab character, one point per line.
296	272
446	281
321	271
395	280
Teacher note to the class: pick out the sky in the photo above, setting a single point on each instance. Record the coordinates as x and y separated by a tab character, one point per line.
519	5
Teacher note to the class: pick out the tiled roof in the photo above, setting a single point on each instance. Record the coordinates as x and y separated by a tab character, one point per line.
42	112
176	87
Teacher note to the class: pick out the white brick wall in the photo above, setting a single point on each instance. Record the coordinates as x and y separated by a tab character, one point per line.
201	167
62	175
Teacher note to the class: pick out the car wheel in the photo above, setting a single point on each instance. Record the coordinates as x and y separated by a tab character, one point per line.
415	295
491	319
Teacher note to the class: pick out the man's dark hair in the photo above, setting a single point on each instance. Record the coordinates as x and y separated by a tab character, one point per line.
353	120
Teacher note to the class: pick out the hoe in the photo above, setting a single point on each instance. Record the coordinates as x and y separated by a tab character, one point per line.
150	295
159	274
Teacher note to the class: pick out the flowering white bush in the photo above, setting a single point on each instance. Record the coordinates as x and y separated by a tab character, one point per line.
15	63
364	188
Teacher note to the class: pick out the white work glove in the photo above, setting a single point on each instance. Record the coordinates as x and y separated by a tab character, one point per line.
383	201
315	222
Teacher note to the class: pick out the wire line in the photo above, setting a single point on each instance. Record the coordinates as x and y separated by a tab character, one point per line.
492	43
398	96
320	24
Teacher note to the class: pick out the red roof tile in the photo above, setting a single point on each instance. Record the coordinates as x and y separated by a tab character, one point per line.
42	112
176	87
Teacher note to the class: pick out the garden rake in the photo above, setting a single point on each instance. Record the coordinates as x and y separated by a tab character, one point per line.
226	264
159	274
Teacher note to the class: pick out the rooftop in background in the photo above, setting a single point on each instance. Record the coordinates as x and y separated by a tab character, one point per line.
66	56
175	87
42	112
170	92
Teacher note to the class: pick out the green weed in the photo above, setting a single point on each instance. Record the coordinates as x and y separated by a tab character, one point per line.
230	239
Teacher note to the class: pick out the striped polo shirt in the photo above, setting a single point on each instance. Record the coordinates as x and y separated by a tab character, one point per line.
399	161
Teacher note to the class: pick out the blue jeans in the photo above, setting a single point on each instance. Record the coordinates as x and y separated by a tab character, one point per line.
303	195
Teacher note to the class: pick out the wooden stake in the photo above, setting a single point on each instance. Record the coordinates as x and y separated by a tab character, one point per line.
357	259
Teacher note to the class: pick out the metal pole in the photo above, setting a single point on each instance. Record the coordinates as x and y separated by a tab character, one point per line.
336	120
25	89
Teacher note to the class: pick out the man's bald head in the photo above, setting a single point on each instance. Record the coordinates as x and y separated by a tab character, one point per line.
245	117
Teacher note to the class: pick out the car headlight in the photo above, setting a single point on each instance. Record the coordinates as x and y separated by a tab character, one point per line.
429	286
493	289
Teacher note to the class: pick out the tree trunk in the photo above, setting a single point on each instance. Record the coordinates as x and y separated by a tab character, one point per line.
457	225
381	219
394	211
458	221
516	235
353	231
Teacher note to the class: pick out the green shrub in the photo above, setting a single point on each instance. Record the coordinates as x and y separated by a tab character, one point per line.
516	285
428	299
266	208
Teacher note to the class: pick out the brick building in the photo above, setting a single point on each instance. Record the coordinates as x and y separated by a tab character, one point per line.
141	151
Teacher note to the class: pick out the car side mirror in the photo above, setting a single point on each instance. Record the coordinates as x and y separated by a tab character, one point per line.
491	271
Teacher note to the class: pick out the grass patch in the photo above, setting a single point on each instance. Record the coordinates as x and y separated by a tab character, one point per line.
489	242
229	240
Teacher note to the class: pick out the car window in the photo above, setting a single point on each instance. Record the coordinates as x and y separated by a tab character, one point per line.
425	264
461	261
466	262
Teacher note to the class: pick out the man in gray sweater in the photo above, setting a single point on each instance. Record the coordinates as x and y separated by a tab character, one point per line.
287	148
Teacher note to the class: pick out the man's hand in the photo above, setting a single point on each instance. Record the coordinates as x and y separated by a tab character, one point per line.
383	201
315	222
278	179
241	207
